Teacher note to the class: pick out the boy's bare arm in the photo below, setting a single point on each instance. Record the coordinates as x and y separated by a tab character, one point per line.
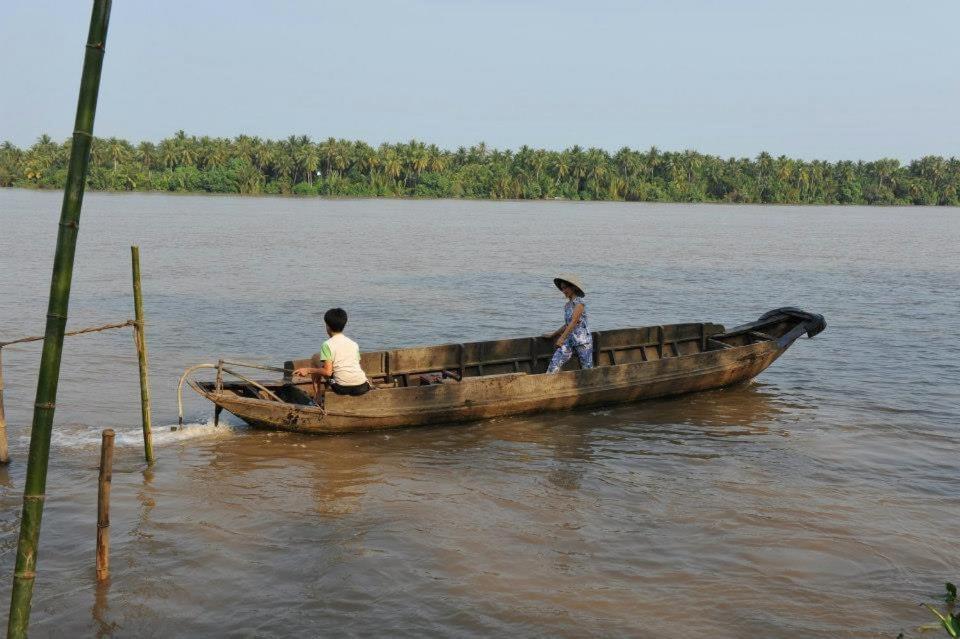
326	370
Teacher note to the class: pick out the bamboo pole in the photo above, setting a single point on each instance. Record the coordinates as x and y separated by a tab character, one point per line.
140	339
35	484
4	449
103	505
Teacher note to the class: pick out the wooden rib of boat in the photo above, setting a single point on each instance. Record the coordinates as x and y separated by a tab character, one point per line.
507	377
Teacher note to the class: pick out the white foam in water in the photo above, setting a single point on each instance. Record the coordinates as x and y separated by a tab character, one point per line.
82	436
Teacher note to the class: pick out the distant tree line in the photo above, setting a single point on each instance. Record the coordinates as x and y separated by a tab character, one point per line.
299	166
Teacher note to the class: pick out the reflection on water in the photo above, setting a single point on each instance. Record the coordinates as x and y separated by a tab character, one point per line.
100	611
757	510
337	470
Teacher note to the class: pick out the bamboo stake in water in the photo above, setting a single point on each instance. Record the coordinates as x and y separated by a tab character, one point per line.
35	484
103	505
140	339
4	450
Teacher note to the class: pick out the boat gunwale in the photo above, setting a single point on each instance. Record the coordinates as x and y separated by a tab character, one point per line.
735	352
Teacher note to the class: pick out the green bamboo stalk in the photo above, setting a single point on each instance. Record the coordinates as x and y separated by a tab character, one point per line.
36	480
140	339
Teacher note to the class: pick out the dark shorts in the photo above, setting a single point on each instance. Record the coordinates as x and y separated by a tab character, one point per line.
360	389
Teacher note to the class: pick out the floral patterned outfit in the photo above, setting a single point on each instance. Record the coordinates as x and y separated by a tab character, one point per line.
579	340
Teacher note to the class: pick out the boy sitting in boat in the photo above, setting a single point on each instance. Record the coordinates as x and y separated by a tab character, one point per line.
338	360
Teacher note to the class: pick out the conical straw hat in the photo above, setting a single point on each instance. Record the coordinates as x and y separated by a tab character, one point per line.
572	280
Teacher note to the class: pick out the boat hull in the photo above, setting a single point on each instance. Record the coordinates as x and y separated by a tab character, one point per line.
510	394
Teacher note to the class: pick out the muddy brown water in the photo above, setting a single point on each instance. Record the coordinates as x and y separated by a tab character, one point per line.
820	500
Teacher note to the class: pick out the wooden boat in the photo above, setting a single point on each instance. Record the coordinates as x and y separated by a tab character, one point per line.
506	377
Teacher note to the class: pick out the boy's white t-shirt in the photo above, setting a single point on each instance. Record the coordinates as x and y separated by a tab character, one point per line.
345	355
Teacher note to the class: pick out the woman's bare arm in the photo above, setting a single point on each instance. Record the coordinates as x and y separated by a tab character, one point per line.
565	332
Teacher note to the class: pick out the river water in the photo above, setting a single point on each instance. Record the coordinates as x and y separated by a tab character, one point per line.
820	500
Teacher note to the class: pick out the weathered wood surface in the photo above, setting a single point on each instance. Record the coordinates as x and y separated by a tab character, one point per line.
505	377
104	482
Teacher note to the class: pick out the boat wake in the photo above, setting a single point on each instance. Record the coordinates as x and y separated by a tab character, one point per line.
77	437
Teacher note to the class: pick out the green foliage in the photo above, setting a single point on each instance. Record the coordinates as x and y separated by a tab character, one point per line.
341	168
948	619
302	188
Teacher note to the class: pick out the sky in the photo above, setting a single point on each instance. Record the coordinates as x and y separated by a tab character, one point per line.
819	79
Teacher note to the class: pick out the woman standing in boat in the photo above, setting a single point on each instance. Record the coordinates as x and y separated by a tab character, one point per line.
574	336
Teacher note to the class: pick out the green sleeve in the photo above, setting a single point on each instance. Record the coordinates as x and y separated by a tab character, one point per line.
326	355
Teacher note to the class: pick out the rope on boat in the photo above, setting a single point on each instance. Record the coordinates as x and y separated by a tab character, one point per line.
252	382
90	329
221	369
180	387
262	367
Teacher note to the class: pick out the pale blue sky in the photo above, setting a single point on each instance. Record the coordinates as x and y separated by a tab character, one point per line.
824	79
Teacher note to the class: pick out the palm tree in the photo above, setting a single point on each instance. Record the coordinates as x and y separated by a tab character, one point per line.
263	156
186	155
627	162
119	151
365	159
578	166
341	159
285	166
392	163
561	166
595	165
885	169
168	154
436	160
478	153
419	160
538	162
146	154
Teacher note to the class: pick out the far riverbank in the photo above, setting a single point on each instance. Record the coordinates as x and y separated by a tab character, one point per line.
341	168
